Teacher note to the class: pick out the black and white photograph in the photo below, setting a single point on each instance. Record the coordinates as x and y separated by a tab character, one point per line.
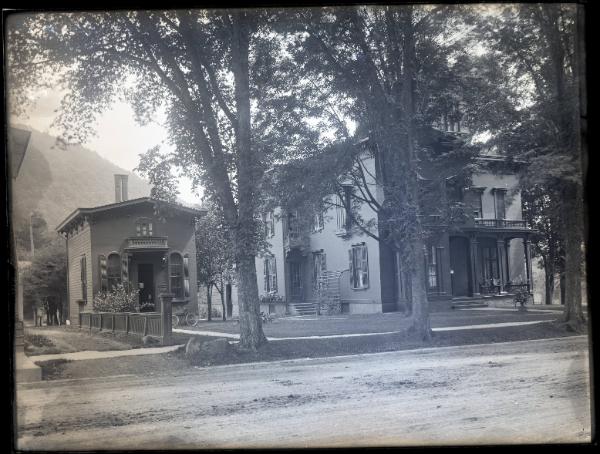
321	226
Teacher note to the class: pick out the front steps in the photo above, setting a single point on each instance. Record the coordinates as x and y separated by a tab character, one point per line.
303	308
468	303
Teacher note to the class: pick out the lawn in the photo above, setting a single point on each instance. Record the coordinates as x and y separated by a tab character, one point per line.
372	323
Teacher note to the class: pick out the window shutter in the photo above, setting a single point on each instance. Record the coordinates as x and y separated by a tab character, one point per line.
323	262
266	274
103	276
186	275
124	269
274	274
351	267
365	266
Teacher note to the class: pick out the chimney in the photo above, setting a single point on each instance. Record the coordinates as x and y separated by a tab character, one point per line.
121	188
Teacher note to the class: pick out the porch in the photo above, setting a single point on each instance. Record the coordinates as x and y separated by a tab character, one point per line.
490	263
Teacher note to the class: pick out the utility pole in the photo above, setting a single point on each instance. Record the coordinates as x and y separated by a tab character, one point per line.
31	234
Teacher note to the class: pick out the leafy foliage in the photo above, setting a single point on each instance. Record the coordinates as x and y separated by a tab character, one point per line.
120	299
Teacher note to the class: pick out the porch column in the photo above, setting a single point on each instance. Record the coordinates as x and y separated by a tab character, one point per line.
500	257
166	317
507	251
474	266
527	262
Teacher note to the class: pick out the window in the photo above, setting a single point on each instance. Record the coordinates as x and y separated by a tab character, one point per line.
499	203
476	202
270	274
113	271
176	275
143	227
490	265
432	276
318	222
340	214
319	265
293	227
83	271
343	210
269	220
359	266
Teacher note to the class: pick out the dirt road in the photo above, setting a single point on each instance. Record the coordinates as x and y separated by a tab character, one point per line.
533	391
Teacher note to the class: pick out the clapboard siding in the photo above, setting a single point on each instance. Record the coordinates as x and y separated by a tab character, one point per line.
78	245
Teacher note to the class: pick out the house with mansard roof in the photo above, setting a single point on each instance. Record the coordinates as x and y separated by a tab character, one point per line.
144	242
483	257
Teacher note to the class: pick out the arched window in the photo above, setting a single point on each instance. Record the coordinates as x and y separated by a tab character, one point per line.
176	275
113	270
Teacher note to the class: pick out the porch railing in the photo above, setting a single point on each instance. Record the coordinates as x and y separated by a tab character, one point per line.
501	223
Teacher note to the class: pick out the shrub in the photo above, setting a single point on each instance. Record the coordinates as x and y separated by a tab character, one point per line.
121	299
521	297
271	298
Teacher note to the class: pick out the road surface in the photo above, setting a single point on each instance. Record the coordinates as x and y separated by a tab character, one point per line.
517	392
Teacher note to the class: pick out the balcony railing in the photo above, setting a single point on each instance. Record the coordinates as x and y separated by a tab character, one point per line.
501	223
147	242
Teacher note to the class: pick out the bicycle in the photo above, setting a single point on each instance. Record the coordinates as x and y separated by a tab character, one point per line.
190	318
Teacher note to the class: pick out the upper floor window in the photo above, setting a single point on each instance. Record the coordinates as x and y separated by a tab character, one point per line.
475	196
359	266
343	210
499	203
270	274
143	227
292	225
318	222
269	221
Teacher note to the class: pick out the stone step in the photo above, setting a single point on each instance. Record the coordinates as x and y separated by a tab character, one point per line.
465	305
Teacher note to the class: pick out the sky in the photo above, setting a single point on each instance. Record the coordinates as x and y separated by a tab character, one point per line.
118	137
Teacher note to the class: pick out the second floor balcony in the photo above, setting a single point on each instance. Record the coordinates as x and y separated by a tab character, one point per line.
501	223
154	243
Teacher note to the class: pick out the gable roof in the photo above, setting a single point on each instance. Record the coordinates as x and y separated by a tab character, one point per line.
81	212
18	141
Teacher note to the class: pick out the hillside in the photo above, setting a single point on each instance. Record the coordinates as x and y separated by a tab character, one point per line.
56	181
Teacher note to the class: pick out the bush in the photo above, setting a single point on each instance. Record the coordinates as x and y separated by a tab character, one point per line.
521	297
271	298
121	299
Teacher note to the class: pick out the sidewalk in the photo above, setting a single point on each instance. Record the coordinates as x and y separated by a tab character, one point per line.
339	336
91	354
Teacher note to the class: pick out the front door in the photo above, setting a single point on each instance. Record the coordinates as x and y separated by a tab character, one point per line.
296	290
460	265
146	285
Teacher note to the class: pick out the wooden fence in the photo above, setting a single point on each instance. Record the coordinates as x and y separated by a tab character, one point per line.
154	324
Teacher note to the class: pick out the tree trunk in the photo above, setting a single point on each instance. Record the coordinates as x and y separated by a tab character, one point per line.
209	301
222	294
549	275
420	303
249	173
251	332
573	312
562	288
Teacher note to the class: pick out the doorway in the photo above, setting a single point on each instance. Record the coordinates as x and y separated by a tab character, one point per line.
460	265
146	285
296	290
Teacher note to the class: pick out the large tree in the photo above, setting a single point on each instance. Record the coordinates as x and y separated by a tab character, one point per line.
229	103
540	45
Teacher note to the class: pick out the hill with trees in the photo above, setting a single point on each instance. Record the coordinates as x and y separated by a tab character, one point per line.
54	181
